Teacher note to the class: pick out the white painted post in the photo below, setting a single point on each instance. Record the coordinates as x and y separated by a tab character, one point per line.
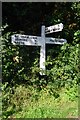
42	52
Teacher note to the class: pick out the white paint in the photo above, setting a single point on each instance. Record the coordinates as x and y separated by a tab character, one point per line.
54	28
42	52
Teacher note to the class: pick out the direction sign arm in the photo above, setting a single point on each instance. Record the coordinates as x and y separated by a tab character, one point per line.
54	28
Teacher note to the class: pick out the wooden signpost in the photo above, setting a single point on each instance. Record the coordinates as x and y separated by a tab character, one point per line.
41	41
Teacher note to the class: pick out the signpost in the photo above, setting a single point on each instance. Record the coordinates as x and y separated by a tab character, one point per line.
30	40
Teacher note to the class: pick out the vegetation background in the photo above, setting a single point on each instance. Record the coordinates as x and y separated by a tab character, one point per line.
26	94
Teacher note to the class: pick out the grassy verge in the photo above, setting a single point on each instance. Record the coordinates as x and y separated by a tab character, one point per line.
52	110
46	106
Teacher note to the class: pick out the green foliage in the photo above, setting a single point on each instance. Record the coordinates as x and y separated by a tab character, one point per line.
6	100
76	37
22	84
72	92
64	68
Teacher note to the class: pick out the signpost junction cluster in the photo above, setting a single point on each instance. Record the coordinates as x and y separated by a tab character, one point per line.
29	40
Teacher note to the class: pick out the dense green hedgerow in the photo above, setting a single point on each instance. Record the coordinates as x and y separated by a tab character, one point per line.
22	84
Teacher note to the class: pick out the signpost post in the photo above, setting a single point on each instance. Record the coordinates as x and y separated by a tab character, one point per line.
42	51
30	40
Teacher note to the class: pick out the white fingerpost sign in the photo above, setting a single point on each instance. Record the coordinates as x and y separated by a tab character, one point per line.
54	28
29	40
41	41
59	41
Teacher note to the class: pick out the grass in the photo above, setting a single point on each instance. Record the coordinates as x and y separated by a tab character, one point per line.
49	107
45	111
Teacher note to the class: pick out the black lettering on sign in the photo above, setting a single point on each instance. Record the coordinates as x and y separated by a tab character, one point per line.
24	39
23	36
56	40
52	40
62	41
16	35
47	31
53	29
35	41
34	37
18	39
27	36
19	43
